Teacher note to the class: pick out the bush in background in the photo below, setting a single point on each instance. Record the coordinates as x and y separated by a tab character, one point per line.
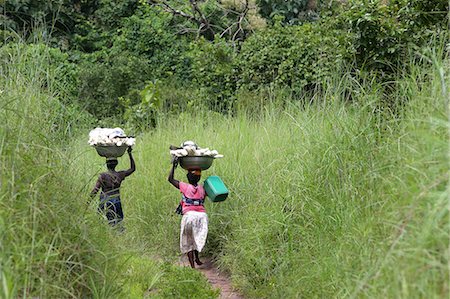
296	57
120	46
213	70
384	35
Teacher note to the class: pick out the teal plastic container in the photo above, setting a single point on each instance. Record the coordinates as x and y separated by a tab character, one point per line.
215	188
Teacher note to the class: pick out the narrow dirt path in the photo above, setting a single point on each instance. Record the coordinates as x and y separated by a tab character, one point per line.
217	279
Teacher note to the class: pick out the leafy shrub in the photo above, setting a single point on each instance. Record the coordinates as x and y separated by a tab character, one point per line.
106	76
422	15
149	34
368	35
143	115
289	10
213	70
291	56
109	13
144	50
383	34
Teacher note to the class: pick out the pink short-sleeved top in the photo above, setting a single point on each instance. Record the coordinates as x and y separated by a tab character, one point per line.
192	192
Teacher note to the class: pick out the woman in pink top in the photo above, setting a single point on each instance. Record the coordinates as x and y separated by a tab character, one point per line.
194	224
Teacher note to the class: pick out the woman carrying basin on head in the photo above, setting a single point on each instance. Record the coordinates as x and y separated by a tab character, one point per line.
194	224
109	182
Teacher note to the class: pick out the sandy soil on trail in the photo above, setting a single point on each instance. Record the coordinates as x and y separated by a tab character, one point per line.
217	279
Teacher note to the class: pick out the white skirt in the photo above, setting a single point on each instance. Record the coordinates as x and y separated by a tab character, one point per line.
194	230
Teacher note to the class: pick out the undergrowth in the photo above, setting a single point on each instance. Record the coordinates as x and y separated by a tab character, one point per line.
329	199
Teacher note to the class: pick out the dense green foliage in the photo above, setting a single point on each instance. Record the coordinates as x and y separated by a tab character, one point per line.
119	47
334	131
297	57
291	11
384	35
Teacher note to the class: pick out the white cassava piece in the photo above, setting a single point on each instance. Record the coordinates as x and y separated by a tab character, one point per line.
189	148
109	137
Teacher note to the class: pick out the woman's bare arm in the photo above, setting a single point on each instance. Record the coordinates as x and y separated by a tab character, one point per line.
132	164
171	178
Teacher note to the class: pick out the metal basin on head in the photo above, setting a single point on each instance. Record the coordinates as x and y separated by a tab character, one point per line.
196	162
112	151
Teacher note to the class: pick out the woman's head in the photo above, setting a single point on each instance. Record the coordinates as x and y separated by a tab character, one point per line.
194	176
111	163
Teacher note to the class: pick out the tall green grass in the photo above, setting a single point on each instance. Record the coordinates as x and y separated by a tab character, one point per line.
53	244
329	199
48	248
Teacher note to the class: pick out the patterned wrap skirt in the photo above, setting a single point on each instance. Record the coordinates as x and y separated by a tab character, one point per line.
194	230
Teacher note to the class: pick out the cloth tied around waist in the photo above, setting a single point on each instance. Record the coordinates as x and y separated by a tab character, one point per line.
113	198
192	202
